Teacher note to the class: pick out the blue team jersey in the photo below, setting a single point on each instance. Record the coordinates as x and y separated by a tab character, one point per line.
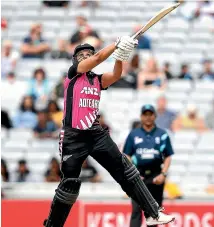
148	149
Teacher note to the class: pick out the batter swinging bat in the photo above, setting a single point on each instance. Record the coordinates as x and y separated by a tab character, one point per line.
155	19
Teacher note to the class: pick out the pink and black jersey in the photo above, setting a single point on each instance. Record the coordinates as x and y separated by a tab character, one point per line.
81	98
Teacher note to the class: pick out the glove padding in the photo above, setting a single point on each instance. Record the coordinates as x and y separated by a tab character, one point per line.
121	55
126	43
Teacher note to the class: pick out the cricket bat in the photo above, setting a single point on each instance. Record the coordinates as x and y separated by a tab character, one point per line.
162	13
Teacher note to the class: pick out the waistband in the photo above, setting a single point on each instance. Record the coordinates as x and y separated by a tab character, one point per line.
149	171
70	129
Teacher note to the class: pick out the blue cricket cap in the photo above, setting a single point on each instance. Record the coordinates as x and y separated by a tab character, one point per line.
148	107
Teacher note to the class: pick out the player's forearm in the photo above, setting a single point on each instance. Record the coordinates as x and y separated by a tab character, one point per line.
90	63
166	164
103	54
118	68
110	78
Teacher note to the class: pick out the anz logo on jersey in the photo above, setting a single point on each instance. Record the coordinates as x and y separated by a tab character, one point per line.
90	91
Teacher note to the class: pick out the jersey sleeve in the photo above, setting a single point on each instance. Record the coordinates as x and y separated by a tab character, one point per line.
166	145
100	80
72	72
129	145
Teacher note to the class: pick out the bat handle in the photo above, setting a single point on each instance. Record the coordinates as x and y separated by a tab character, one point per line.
136	35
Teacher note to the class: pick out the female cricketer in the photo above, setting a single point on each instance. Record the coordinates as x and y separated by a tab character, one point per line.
82	135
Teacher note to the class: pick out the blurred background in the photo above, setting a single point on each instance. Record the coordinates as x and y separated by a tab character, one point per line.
172	68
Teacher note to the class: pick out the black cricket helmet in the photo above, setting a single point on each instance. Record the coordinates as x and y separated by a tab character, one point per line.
84	46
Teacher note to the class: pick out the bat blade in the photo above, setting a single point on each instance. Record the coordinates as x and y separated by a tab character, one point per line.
155	19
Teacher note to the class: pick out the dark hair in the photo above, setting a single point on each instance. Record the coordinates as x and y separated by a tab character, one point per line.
55	103
184	66
4	165
22	107
47	173
58	165
136	124
39	70
22	162
54	160
166	64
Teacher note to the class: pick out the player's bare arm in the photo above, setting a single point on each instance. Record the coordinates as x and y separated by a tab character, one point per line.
94	60
122	49
111	77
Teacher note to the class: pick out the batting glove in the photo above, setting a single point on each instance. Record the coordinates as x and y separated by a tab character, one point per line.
126	43
121	55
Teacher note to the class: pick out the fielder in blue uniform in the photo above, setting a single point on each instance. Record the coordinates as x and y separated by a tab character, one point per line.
150	149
